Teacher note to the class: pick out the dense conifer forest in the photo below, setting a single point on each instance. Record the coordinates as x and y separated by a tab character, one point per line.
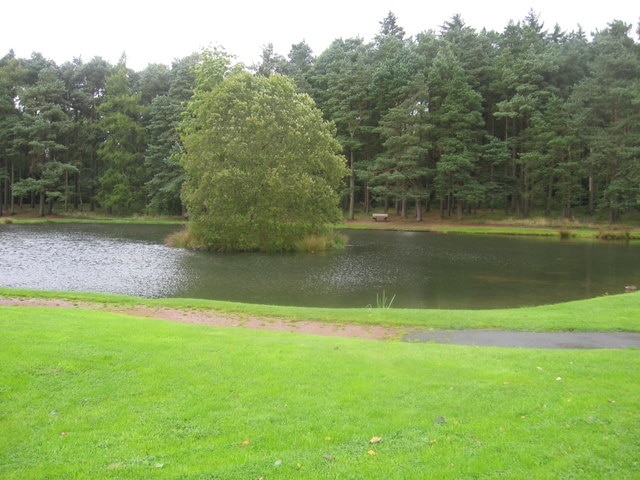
528	120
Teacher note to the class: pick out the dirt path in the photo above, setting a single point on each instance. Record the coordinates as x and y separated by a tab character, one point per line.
495	338
218	319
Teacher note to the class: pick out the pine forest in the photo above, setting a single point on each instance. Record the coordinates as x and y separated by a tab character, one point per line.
530	120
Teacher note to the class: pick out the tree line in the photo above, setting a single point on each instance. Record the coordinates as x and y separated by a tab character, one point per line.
524	120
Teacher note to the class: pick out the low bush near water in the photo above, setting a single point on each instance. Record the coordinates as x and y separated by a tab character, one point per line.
183	239
321	243
310	243
614	235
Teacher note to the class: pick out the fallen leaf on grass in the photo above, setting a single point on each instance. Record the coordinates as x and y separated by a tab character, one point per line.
375	440
371	452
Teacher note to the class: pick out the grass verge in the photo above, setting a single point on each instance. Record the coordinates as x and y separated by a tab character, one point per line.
608	313
483	224
87	394
87	217
522	231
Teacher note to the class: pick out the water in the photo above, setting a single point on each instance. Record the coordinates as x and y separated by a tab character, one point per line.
421	270
99	258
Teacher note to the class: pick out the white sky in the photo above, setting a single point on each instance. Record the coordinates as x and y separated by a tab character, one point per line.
161	31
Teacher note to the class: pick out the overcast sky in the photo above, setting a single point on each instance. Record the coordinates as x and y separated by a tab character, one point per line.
161	31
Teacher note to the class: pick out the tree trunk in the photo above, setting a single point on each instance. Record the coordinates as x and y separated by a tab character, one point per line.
525	191
549	196
613	215
12	210
66	191
41	205
566	204
366	198
76	192
591	191
418	210
352	186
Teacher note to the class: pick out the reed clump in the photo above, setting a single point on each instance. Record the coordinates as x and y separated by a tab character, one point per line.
321	243
565	234
183	239
614	235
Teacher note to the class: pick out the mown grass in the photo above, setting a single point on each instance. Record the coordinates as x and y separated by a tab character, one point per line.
608	313
87	394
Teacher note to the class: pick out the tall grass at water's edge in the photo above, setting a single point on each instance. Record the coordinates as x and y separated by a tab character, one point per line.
91	394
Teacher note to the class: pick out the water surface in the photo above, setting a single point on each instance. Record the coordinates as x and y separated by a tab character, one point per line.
421	270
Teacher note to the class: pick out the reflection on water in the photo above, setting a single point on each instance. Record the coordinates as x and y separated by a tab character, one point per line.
420	269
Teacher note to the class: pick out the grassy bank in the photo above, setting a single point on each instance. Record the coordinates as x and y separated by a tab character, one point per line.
87	394
608	313
478	224
503	225
29	217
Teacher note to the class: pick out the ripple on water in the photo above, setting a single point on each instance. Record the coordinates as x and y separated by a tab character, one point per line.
417	270
81	261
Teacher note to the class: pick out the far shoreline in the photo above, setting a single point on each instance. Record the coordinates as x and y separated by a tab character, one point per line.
472	224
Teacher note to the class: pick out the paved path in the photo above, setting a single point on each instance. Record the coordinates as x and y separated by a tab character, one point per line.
480	338
501	338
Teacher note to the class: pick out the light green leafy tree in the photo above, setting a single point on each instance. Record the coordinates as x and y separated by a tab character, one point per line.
263	167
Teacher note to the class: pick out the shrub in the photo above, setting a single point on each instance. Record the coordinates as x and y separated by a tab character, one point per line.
614	235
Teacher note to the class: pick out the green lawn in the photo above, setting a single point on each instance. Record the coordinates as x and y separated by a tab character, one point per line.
608	313
87	394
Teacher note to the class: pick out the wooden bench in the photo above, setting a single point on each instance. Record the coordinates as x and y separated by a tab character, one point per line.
380	216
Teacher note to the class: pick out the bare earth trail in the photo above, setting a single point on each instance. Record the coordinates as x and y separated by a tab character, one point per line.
494	338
